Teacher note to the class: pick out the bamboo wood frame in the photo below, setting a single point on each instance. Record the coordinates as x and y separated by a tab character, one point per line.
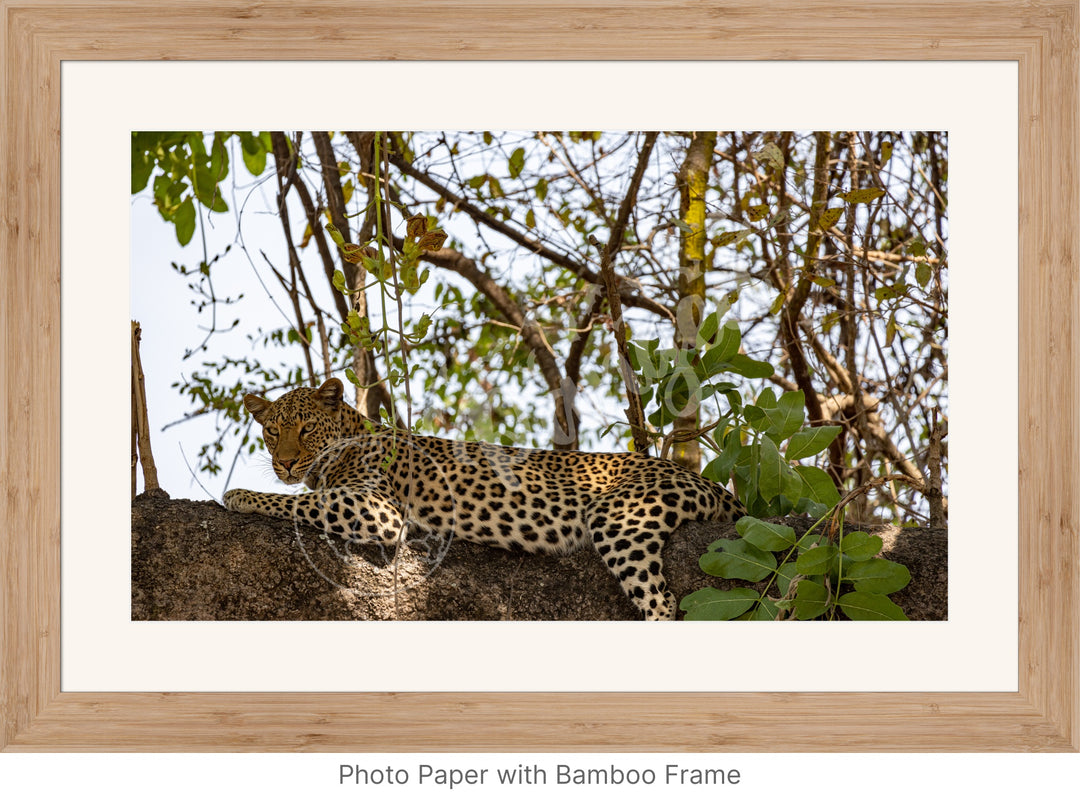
1041	36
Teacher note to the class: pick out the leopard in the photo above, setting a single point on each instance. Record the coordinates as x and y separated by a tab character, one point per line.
369	483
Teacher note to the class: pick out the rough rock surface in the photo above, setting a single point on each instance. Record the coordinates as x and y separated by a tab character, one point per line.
195	561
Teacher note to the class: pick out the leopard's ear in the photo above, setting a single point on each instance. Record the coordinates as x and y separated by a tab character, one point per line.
258	407
330	394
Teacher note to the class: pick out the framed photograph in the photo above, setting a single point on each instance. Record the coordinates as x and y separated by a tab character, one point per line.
86	664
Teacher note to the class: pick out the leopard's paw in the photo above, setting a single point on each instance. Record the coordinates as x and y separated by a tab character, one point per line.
240	501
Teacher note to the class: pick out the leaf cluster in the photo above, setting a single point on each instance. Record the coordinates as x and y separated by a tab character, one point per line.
803	577
761	445
187	169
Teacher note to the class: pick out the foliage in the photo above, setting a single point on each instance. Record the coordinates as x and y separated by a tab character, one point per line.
805	577
185	170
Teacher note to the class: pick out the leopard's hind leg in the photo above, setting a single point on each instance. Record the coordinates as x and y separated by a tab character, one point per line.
630	538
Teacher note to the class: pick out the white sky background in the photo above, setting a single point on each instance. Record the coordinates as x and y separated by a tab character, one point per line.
163	304
104	650
160	302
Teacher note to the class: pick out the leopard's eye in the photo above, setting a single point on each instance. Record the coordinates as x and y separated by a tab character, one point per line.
305	429
271	431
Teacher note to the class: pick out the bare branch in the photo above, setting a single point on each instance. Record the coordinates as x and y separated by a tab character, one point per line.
534	246
634	411
529	329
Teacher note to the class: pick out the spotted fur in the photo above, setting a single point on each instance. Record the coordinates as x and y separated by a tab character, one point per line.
365	484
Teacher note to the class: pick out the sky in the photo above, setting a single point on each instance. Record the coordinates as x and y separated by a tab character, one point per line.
161	303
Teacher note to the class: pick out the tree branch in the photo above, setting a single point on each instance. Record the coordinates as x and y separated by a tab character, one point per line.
634	411
565	436
288	177
792	311
534	246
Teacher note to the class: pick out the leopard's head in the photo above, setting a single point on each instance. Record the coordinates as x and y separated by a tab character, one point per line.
298	426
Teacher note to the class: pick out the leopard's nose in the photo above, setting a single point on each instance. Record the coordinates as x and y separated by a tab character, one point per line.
287	464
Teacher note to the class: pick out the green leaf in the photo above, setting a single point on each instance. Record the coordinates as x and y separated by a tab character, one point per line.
530	219
719	470
862	195
253	153
517	162
814	509
713	604
770	153
811	600
410	278
778	303
860	545
775	476
541	189
819	560
738	560
142	165
755	416
167	194
749	368
219	158
757	212
708	328
766	611
724	239
207	191
859	605
787	416
922	274
917	248
810	441
890	292
728	343
829	217
877	576
335	234
339	281
784	575
184	219
818	485
766	536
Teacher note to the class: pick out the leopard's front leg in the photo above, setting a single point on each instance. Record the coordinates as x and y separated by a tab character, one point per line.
365	516
278	505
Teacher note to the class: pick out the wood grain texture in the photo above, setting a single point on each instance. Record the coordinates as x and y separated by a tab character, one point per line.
1040	36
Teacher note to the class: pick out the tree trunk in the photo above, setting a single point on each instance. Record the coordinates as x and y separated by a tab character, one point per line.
693	184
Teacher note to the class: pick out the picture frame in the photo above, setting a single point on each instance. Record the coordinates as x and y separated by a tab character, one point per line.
1044	714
